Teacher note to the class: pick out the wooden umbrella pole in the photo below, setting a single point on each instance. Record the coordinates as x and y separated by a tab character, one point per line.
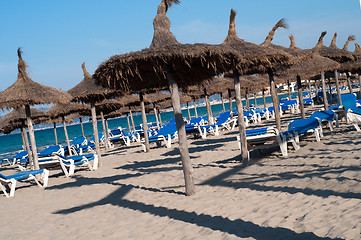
132	119
104	131
95	132
129	127
189	112
224	108
359	83
289	89
255	100
325	102
55	134
275	100
349	82
23	138
156	115
32	137
264	98
195	107
241	122
145	124
27	147
300	97
329	86
82	127
208	106
309	88
247	100
182	138
230	101
107	127
66	136
160	118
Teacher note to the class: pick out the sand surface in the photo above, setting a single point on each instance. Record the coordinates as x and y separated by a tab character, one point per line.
315	193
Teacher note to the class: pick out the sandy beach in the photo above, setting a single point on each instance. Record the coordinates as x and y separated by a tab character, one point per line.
315	193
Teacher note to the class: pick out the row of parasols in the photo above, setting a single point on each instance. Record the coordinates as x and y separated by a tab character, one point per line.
189	68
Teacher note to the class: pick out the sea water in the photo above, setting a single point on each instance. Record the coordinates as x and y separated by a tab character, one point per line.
44	134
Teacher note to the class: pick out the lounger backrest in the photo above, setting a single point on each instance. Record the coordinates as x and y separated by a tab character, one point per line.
3	176
356	110
223	117
21	154
324	115
196	121
257	131
51	150
303	125
79	141
348	100
168	129
116	132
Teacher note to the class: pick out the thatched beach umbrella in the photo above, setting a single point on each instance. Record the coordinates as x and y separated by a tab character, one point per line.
251	59
26	92
88	92
336	54
309	65
166	64
17	119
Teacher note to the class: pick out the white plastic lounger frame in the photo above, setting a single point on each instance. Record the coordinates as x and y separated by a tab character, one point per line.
71	164
355	119
11	183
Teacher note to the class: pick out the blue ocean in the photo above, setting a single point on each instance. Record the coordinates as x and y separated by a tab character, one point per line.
44	134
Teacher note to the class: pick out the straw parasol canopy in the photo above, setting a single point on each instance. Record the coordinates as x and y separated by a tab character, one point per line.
311	63
27	92
156	97
60	110
168	102
15	118
147	69
253	58
87	90
332	52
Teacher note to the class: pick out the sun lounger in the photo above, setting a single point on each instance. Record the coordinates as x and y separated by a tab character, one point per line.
326	116
289	105
308	101
354	116
303	126
22	155
76	161
165	135
192	126
261	138
224	121
11	180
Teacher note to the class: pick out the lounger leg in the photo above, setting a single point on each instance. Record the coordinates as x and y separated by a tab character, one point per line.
169	141
12	187
95	164
330	124
336	117
3	188
216	132
204	136
63	167
267	115
239	142
283	145
45	178
317	134
71	168
143	145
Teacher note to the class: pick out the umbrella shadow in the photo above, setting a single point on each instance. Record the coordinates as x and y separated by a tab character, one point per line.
237	227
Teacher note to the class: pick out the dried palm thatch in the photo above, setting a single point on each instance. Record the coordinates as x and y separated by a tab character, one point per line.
168	102
27	92
156	97
68	119
253	58
332	52
15	118
349	39
146	69
311	63
60	110
87	90
108	106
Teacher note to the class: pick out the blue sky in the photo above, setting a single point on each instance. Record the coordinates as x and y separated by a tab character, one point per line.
57	36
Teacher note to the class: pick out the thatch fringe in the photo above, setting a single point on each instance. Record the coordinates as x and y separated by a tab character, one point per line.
169	3
349	39
320	40
292	39
280	24
333	42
